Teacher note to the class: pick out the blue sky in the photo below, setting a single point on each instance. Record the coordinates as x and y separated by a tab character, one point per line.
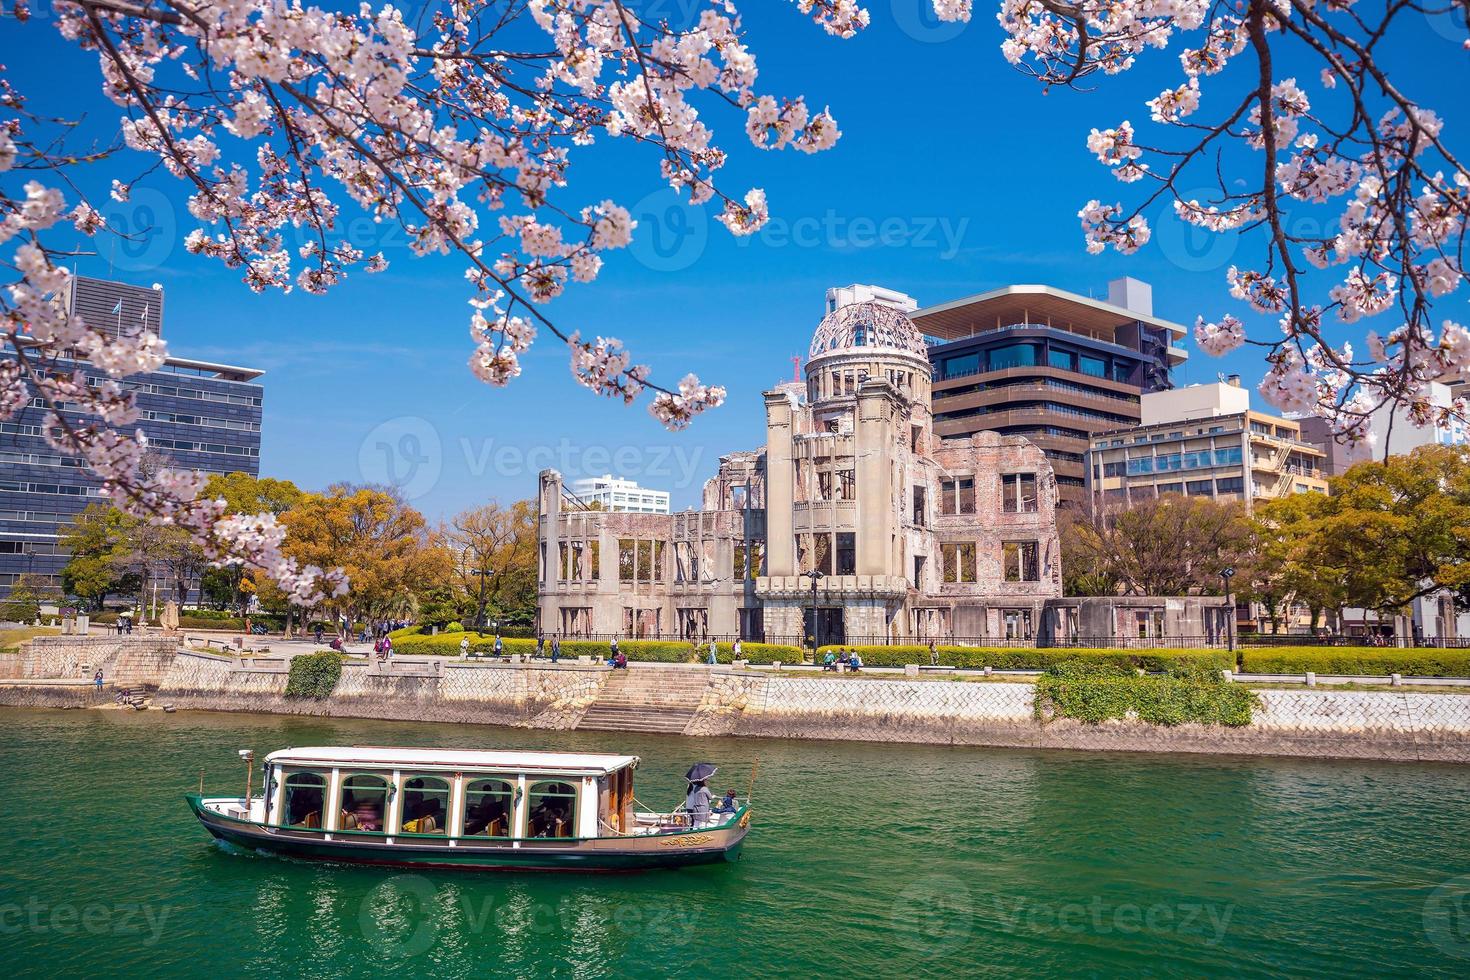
955	174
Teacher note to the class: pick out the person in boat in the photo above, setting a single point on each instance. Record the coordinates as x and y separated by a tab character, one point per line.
483	818
728	803
309	800
696	804
547	819
426	821
366	815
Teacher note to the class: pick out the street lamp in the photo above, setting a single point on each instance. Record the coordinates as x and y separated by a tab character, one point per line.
816	576
1226	574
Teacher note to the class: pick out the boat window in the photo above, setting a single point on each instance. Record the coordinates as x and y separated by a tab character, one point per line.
425	805
304	794
364	803
487	808
553	810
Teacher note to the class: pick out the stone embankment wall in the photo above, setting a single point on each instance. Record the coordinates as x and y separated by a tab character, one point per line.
486	694
125	661
1312	723
1322	723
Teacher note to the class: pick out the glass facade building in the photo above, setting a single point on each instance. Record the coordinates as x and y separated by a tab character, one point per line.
195	414
1048	365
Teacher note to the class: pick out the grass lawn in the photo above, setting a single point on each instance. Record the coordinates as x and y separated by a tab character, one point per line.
10	639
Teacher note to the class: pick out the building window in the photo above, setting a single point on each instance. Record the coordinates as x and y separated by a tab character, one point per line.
1195	460
1017	623
626	566
1095	366
1018	493
967	495
1200	488
919	508
1140	465
1019	561
1228	457
946	497
1164	488
1230	484
846	553
1011	356
1113	469
1063	359
959	563
954	367
918	571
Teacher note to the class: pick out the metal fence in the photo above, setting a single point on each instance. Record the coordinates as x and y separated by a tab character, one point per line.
1218	641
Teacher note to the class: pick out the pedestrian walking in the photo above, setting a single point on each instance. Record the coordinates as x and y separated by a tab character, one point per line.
464	647
735	653
713	651
540	645
555	647
499	647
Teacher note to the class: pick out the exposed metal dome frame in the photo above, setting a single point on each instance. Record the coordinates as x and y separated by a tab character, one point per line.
867	326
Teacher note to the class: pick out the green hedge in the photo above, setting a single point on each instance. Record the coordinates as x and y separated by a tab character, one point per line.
1095	691
1416	661
1025	658
314	675
654	651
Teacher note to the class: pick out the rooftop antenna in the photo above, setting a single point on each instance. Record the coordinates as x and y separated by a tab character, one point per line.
796	367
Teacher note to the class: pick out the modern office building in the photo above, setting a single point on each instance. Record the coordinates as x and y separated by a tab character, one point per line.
1203	441
1049	365
196	414
614	494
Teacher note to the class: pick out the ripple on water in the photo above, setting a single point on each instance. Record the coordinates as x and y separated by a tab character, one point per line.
865	859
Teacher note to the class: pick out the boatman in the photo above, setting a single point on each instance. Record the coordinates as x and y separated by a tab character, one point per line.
697	803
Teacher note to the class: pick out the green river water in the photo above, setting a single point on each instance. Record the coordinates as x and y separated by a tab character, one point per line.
864	860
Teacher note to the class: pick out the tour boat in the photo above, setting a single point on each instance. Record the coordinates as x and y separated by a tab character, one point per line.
470	809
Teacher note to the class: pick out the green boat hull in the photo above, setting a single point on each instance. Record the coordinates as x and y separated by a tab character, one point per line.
610	854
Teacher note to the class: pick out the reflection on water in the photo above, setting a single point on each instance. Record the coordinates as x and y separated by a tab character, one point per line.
863	859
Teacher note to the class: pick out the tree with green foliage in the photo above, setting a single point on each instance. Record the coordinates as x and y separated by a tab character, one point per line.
1171	545
99	542
495	548
231	587
23	604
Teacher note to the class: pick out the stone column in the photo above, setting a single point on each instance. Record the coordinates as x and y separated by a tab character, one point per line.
872	440
780	486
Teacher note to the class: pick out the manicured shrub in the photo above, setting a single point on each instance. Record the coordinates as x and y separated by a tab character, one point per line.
1025	658
1356	661
454	628
314	675
1095	692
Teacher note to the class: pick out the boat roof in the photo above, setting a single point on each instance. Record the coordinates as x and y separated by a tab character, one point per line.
369	755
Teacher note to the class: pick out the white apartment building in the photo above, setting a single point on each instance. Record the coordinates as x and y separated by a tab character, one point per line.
621	495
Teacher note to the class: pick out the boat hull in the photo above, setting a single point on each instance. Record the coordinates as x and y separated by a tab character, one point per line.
611	854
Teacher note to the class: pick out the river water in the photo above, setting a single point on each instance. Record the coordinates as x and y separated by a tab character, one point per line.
864	860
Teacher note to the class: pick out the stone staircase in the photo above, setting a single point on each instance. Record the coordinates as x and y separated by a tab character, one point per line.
654	698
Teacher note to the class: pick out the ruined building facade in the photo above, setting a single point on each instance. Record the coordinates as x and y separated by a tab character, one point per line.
854	523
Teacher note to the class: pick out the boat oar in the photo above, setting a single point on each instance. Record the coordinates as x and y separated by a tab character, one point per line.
750	791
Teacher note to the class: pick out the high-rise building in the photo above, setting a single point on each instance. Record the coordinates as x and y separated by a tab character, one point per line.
1203	441
620	495
1049	365
196	414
